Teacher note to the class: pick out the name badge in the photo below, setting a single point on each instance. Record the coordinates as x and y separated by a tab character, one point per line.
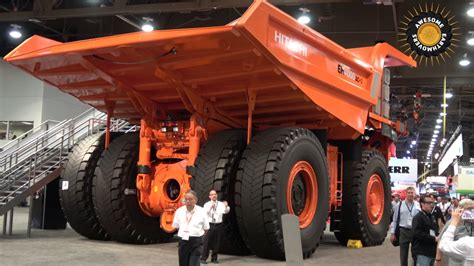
432	233
185	235
409	220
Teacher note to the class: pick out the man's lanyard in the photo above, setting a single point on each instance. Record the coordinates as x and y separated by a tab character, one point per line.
412	205
189	217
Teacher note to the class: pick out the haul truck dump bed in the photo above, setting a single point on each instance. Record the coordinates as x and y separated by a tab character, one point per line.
206	100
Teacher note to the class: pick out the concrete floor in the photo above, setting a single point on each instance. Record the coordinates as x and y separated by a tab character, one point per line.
65	247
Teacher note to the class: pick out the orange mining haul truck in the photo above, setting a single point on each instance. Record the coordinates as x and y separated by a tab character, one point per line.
271	114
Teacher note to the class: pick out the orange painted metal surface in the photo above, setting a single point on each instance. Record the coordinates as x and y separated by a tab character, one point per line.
375	199
298	75
305	189
262	70
335	176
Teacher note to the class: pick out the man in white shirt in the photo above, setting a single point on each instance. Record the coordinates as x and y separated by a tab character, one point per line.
462	249
445	205
408	209
191	220
215	210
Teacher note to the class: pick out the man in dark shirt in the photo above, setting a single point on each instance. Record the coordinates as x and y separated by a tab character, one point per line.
438	214
425	232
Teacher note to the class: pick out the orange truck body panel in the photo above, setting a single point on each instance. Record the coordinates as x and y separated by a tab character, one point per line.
262	70
292	69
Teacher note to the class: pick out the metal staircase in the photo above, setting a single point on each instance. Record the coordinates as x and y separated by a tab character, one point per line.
29	164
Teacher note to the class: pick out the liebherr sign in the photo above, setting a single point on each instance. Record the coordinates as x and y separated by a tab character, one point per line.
403	171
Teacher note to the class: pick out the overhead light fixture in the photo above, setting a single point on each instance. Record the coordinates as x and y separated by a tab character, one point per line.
411	146
470	12
408	152
444	104
443	140
449	95
147	26
304	18
438	126
15	32
464	62
436	131
413	142
442	114
470	41
435	135
436	156
439	121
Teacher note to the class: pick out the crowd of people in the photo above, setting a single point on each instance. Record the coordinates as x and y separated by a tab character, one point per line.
438	230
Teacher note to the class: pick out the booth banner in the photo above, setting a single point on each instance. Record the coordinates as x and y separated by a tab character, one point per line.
403	172
454	151
465	180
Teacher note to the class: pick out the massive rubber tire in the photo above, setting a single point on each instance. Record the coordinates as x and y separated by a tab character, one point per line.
356	219
262	185
76	200
215	168
115	198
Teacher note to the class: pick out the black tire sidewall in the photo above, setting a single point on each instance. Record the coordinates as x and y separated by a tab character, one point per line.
375	232
306	149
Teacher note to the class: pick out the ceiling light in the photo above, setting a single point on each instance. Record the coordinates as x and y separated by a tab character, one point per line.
439	121
411	146
304	18
438	126
443	140
444	105
147	27
435	135
436	131
15	33
449	95
470	12
464	62
436	156
470	41
413	142
442	114
408	152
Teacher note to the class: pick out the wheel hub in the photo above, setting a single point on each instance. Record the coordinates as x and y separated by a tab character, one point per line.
375	199
302	193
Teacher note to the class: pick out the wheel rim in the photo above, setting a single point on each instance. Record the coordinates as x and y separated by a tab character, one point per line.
302	193
375	199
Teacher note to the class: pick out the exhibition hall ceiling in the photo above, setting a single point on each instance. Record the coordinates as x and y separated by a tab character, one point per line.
349	23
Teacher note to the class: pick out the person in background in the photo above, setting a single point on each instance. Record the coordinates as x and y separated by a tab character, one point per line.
191	220
425	232
444	206
438	214
395	201
408	209
462	249
215	210
466	229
